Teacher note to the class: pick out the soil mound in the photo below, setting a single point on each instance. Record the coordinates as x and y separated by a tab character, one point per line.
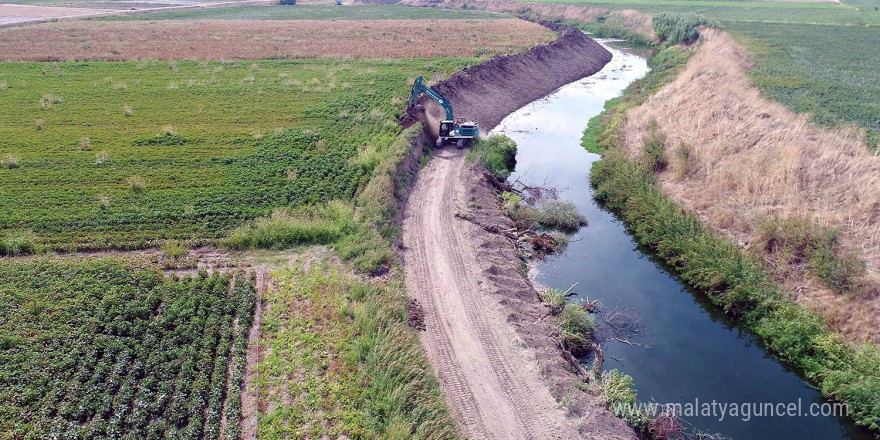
488	92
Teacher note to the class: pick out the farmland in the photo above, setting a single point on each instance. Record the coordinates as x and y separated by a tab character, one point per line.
108	346
137	142
836	77
272	39
133	152
311	12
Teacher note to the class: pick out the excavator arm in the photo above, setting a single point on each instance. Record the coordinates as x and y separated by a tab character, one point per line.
419	87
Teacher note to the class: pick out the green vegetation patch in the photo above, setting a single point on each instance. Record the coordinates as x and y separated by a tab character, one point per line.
310	12
342	361
94	348
497	154
120	155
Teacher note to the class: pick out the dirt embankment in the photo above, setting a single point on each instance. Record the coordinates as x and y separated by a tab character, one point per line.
752	159
488	336
488	92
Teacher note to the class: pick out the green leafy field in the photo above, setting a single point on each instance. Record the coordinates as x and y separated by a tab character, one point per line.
310	12
118	155
107	347
832	72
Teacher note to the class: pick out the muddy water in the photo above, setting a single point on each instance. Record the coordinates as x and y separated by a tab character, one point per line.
691	352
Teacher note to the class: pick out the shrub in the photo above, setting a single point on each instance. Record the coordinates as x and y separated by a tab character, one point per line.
792	242
174	249
101	157
10	161
619	395
654	147
19	242
684	157
577	329
497	154
561	215
679	28
137	183
510	202
285	228
48	99
554	299
287	2
103	201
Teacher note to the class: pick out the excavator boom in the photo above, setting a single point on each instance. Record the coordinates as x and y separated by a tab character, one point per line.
462	132
419	87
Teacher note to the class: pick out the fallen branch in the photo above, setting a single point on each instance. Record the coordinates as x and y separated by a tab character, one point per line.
633	344
600	358
569	292
578	368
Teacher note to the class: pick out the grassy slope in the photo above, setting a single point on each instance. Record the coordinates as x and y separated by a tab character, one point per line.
310	12
108	345
249	137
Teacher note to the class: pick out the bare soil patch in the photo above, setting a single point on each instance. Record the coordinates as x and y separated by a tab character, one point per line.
488	336
254	39
752	159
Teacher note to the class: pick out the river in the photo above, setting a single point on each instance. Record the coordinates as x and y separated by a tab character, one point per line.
691	352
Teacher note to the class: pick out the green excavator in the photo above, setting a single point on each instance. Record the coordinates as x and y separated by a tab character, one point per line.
461	131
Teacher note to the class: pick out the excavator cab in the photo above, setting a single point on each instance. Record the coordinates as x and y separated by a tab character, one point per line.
446	128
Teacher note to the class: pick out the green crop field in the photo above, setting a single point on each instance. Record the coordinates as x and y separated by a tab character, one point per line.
310	12
832	72
118	155
107	347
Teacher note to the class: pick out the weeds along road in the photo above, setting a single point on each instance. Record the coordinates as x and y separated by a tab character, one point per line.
494	389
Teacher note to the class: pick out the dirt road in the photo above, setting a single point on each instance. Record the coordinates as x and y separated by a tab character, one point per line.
487	335
489	378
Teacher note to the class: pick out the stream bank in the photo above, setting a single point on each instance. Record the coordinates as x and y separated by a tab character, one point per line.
692	352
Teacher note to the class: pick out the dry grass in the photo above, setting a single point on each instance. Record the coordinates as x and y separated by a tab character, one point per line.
751	159
255	39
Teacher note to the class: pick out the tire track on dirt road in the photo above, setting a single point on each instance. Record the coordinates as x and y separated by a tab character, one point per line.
495	395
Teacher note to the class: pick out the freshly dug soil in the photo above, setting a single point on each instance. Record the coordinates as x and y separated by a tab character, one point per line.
488	92
491	341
